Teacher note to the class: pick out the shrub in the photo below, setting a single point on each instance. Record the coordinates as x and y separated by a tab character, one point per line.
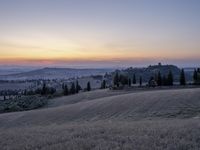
22	103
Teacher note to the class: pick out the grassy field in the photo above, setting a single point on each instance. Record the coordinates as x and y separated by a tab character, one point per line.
103	119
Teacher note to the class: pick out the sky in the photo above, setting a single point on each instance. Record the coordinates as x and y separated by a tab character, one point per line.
99	33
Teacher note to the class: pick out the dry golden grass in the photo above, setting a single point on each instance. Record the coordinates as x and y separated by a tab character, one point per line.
104	135
167	119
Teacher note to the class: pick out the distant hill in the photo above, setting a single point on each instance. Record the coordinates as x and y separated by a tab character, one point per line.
54	73
66	73
150	71
14	70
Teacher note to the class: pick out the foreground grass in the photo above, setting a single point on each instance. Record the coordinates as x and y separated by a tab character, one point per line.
173	134
151	120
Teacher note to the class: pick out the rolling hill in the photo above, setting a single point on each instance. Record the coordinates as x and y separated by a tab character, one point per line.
152	70
54	73
106	119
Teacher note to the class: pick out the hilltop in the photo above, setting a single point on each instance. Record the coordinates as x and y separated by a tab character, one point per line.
152	70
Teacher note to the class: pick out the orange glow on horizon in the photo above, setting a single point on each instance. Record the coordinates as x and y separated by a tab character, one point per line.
49	61
50	51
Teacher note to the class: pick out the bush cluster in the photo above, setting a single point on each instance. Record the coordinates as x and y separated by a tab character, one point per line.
22	103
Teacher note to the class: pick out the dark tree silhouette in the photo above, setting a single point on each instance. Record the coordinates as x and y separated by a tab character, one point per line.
116	79
170	79
88	86
123	79
134	79
63	86
103	84
44	89
198	76
66	90
78	87
182	77
72	89
140	80
129	82
195	76
164	80
159	79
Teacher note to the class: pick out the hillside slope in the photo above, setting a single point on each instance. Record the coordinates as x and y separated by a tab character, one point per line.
148	120
182	103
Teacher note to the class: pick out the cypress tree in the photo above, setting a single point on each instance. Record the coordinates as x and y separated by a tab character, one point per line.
195	76
140	80
103	84
116	79
170	79
129	82
44	89
156	77
25	92
134	79
198	76
164	80
72	89
88	86
159	79
63	86
182	77
78	88
66	91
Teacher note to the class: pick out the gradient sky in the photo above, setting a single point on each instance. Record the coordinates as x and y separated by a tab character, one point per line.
99	33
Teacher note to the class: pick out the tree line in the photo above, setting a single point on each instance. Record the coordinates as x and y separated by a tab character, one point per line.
196	76
119	79
74	88
157	80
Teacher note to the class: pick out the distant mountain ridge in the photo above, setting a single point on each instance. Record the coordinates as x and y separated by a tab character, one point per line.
54	73
66	73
